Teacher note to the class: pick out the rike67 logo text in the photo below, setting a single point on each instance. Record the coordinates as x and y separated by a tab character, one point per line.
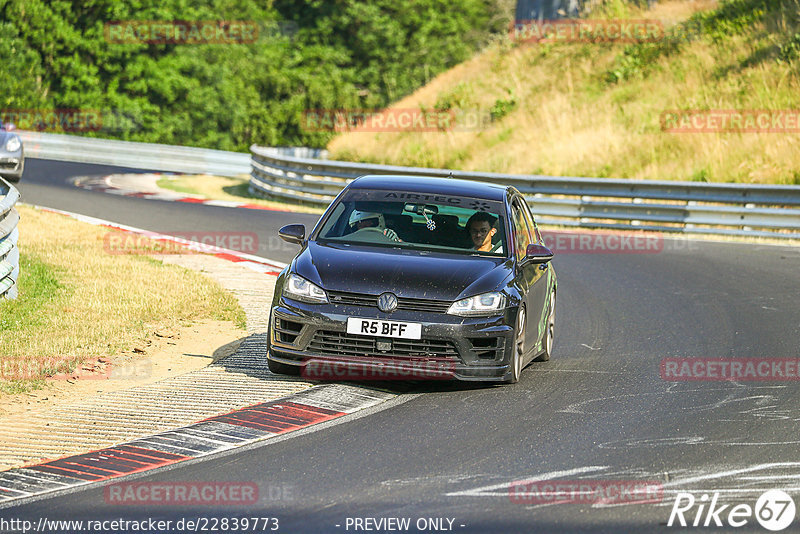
774	510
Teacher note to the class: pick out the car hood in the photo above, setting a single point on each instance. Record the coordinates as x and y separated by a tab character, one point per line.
407	273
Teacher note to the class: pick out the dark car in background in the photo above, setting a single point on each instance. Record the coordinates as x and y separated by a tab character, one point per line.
403	269
12	157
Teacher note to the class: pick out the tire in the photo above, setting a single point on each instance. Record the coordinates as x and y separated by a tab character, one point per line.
519	346
549	332
283	369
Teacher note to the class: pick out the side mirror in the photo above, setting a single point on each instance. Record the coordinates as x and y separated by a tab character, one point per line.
538	253
293	233
9	127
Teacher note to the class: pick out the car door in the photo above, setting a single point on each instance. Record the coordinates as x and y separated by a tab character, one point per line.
525	271
533	276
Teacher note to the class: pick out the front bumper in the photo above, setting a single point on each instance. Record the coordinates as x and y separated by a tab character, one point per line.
472	348
11	165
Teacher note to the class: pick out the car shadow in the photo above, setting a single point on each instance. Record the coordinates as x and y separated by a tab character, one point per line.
250	359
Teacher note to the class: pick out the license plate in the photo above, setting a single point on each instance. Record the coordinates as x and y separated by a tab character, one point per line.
379	328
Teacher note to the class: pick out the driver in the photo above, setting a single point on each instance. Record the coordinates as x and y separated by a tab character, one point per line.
481	230
373	222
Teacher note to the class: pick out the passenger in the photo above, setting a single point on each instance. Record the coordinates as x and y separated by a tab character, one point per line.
373	222
481	231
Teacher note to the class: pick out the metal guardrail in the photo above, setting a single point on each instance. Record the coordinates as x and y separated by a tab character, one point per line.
667	206
9	235
149	156
303	174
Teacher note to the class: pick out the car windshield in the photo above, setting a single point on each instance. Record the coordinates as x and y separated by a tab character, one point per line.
423	221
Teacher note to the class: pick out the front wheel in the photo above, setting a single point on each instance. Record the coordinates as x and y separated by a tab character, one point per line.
519	347
549	332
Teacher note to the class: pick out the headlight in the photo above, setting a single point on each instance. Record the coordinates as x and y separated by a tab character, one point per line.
301	289
484	304
13	144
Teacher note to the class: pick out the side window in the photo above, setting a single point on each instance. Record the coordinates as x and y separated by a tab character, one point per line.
335	225
522	235
526	210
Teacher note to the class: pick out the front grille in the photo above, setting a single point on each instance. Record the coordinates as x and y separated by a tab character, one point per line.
337	297
343	344
403	303
422	305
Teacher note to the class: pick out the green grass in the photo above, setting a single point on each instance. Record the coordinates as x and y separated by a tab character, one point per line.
39	293
80	301
39	289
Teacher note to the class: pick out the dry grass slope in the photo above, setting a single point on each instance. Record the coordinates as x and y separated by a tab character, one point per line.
583	109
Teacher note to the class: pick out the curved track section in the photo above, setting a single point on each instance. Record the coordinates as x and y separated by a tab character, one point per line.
46	183
598	411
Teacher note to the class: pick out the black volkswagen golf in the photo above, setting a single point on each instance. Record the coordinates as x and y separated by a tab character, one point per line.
417	273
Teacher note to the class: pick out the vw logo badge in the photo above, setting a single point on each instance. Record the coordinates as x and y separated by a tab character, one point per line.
387	302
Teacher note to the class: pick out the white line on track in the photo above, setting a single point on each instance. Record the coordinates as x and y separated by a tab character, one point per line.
490	491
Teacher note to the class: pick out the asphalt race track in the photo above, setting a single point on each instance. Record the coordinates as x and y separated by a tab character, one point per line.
46	183
598	411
